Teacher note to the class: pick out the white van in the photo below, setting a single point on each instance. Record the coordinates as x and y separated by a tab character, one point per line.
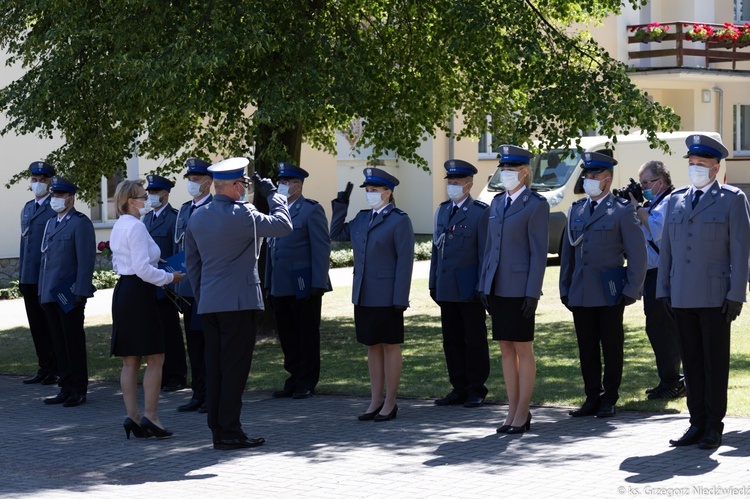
557	174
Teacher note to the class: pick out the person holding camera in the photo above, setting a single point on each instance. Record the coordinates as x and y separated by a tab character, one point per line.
601	230
655	186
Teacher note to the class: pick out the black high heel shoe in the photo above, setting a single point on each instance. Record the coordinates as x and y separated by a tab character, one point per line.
386	417
152	430
520	429
369	416
134	428
503	429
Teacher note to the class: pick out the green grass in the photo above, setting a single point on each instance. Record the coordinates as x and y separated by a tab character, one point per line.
344	362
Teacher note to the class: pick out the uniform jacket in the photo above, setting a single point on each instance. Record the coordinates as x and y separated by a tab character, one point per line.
306	251
184	287
32	230
704	251
516	248
457	250
605	237
69	248
221	242
383	254
162	229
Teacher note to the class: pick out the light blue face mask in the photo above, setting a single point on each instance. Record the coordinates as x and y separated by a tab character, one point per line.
648	194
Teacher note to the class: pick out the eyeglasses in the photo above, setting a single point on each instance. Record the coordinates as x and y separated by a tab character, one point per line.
245	183
140	197
646	182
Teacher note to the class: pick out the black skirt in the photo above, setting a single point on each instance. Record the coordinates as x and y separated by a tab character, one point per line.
508	322
379	325
136	323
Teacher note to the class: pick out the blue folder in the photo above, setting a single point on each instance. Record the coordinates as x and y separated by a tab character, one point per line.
614	281
64	293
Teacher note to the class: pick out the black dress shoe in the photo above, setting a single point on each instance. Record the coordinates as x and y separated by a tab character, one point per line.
474	401
386	417
74	400
191	406
302	394
203	409
606	411
452	398
37	378
711	440
173	385
520	429
282	394
60	398
691	437
50	379
587	409
239	443
503	429
369	416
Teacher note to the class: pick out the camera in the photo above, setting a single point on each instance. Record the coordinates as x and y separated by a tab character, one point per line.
632	188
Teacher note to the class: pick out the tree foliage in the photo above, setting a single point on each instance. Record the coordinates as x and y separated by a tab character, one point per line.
184	78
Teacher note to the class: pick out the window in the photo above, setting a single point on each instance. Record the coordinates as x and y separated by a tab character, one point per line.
741	10
485	143
104	212
741	130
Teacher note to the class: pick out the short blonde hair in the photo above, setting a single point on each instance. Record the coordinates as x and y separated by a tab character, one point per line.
527	178
127	189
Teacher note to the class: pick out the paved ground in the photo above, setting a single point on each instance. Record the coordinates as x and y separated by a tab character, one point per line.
317	448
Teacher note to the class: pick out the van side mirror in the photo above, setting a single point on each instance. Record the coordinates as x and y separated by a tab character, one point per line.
578	189
489	177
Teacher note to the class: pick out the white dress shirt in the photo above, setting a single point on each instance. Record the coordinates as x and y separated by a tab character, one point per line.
135	252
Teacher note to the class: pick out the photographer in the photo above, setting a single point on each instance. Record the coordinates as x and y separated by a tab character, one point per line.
661	327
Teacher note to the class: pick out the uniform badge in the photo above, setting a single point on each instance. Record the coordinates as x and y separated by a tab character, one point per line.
368	172
506	149
525	198
696	139
714	192
609	203
587	156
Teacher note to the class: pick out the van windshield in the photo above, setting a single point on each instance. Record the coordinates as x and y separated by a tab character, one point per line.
549	170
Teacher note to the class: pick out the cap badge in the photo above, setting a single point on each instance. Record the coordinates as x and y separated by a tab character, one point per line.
368	172
696	139
506	149
587	156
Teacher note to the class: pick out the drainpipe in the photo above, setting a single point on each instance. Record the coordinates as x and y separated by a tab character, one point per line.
720	93
451	140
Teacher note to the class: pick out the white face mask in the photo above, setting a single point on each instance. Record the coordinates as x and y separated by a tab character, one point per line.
39	188
283	189
592	187
698	175
374	199
57	204
154	200
509	178
455	192
194	188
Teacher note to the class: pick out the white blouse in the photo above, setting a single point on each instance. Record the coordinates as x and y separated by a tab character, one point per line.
135	252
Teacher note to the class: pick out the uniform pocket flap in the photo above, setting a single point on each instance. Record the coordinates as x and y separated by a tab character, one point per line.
718	270
716	218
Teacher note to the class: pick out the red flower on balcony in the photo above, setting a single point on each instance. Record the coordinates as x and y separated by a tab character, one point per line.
699	33
728	35
654	32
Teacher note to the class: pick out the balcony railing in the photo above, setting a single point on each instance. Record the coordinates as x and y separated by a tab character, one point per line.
710	51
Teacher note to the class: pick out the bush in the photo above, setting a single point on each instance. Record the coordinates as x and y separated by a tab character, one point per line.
11	292
104	279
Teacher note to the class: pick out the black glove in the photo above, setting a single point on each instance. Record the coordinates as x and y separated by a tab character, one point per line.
343	196
564	300
667	303
731	309
399	308
485	302
267	294
476	297
433	295
317	292
81	301
625	300
528	308
263	186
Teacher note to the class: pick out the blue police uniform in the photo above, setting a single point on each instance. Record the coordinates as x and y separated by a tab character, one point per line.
457	251
68	256
193	328
296	278
160	223
703	272
594	247
222	243
383	246
34	216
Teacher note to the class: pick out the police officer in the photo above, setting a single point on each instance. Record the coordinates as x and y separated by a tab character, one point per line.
601	230
296	279
222	244
703	271
34	217
515	259
661	326
199	188
68	258
160	223
457	250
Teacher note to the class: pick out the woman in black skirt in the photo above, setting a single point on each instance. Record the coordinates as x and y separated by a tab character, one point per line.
136	325
383	243
515	259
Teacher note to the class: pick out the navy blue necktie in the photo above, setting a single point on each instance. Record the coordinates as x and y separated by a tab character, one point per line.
592	207
696	198
507	204
453	211
192	209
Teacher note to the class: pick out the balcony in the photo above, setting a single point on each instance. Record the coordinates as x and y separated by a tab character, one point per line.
707	54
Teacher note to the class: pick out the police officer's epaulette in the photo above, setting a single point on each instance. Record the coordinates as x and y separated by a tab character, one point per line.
730	188
579	201
80	215
311	201
538	196
187	203
446	202
400	212
365	211
498	194
681	189
481	204
622	201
